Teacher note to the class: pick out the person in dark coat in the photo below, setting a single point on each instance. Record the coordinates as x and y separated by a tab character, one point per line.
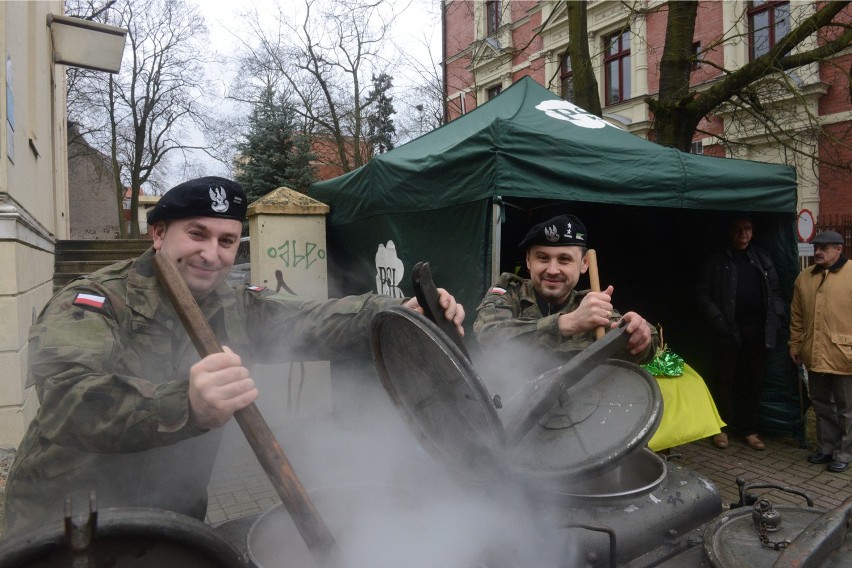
739	299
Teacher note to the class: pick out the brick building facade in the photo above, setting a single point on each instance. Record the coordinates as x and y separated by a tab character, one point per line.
490	44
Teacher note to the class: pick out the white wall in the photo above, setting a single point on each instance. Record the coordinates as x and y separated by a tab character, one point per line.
33	193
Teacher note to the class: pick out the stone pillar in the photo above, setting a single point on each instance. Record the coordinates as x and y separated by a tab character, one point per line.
736	34
639	52
288	255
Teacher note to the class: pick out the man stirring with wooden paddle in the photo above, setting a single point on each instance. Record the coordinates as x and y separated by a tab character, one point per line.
545	312
127	408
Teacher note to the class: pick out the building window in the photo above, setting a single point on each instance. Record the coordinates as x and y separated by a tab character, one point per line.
768	22
493	91
566	77
697	55
696	147
617	67
492	16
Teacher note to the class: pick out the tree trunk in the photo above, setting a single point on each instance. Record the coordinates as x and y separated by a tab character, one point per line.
135	186
677	112
116	167
675	116
586	94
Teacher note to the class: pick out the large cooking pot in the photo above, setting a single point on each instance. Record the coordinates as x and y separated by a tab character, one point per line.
122	538
564	455
351	513
382	526
636	474
562	431
573	437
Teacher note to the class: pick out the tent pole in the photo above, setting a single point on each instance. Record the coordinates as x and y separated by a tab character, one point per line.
496	242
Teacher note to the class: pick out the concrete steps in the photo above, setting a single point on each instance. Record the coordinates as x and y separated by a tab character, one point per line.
75	258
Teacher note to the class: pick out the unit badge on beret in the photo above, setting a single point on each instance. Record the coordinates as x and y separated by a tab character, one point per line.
219	199
551	234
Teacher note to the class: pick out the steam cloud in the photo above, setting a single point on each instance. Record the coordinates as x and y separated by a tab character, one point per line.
389	503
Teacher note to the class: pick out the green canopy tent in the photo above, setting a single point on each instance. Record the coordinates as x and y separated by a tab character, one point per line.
462	196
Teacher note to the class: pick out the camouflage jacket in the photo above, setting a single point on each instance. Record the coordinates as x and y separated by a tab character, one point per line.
510	313
110	361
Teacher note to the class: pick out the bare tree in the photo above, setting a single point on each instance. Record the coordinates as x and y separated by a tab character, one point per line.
80	89
679	108
768	99
142	116
421	106
419	83
585	83
323	57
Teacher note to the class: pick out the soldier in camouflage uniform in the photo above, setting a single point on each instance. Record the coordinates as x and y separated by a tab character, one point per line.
127	409
545	313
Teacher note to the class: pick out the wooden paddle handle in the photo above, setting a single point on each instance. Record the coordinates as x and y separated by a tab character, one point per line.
257	432
595	281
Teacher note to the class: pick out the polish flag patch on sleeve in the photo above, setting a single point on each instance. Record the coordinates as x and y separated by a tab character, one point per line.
255	288
497	290
89	300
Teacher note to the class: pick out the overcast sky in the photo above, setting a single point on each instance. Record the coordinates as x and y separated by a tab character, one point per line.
418	23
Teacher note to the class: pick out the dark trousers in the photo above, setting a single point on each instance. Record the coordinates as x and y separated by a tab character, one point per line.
831	396
737	379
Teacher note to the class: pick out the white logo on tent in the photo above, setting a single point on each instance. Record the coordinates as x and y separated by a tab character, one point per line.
389	271
563	110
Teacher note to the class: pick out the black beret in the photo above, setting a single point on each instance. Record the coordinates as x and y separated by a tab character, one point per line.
202	197
561	231
828	238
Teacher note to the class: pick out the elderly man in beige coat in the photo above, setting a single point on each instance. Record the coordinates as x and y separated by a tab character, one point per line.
821	339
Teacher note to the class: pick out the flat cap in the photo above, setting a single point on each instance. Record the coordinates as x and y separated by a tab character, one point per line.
560	231
201	197
827	238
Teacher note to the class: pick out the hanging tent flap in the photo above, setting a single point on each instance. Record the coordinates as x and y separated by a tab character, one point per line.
738	185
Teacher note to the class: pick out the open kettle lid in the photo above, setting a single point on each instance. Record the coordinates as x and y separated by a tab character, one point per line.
607	416
439	393
605	409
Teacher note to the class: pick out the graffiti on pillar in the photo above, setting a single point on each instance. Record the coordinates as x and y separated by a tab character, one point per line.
281	285
297	254
294	254
389	271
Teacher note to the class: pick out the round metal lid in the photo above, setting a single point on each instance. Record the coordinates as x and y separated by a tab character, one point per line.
608	415
733	539
438	392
